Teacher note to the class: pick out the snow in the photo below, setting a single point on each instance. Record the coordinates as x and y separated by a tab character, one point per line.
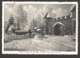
54	43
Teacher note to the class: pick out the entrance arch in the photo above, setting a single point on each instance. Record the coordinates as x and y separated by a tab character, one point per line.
58	28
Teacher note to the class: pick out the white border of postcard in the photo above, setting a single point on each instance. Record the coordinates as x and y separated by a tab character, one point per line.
40	52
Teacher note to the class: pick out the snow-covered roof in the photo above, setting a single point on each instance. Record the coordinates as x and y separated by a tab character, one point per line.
72	7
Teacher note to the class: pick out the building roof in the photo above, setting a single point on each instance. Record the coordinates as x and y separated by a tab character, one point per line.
73	7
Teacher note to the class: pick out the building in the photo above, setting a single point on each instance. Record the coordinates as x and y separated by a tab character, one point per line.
62	25
73	15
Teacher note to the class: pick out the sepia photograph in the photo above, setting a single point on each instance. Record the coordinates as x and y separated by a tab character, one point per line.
39	28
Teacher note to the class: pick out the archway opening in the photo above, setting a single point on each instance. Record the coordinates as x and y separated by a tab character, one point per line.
58	29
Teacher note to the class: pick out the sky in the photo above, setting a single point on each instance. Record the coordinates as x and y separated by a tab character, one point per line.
37	10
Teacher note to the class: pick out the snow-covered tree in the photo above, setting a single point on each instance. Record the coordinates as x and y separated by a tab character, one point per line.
21	16
33	24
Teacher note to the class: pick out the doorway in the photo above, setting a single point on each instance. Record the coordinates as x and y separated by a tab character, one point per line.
58	29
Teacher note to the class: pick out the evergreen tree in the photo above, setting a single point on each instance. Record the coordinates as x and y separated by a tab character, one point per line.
21	17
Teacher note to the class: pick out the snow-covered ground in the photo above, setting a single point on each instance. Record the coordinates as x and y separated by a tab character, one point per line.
53	43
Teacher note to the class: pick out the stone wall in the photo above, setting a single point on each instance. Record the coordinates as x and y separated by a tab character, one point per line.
65	20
